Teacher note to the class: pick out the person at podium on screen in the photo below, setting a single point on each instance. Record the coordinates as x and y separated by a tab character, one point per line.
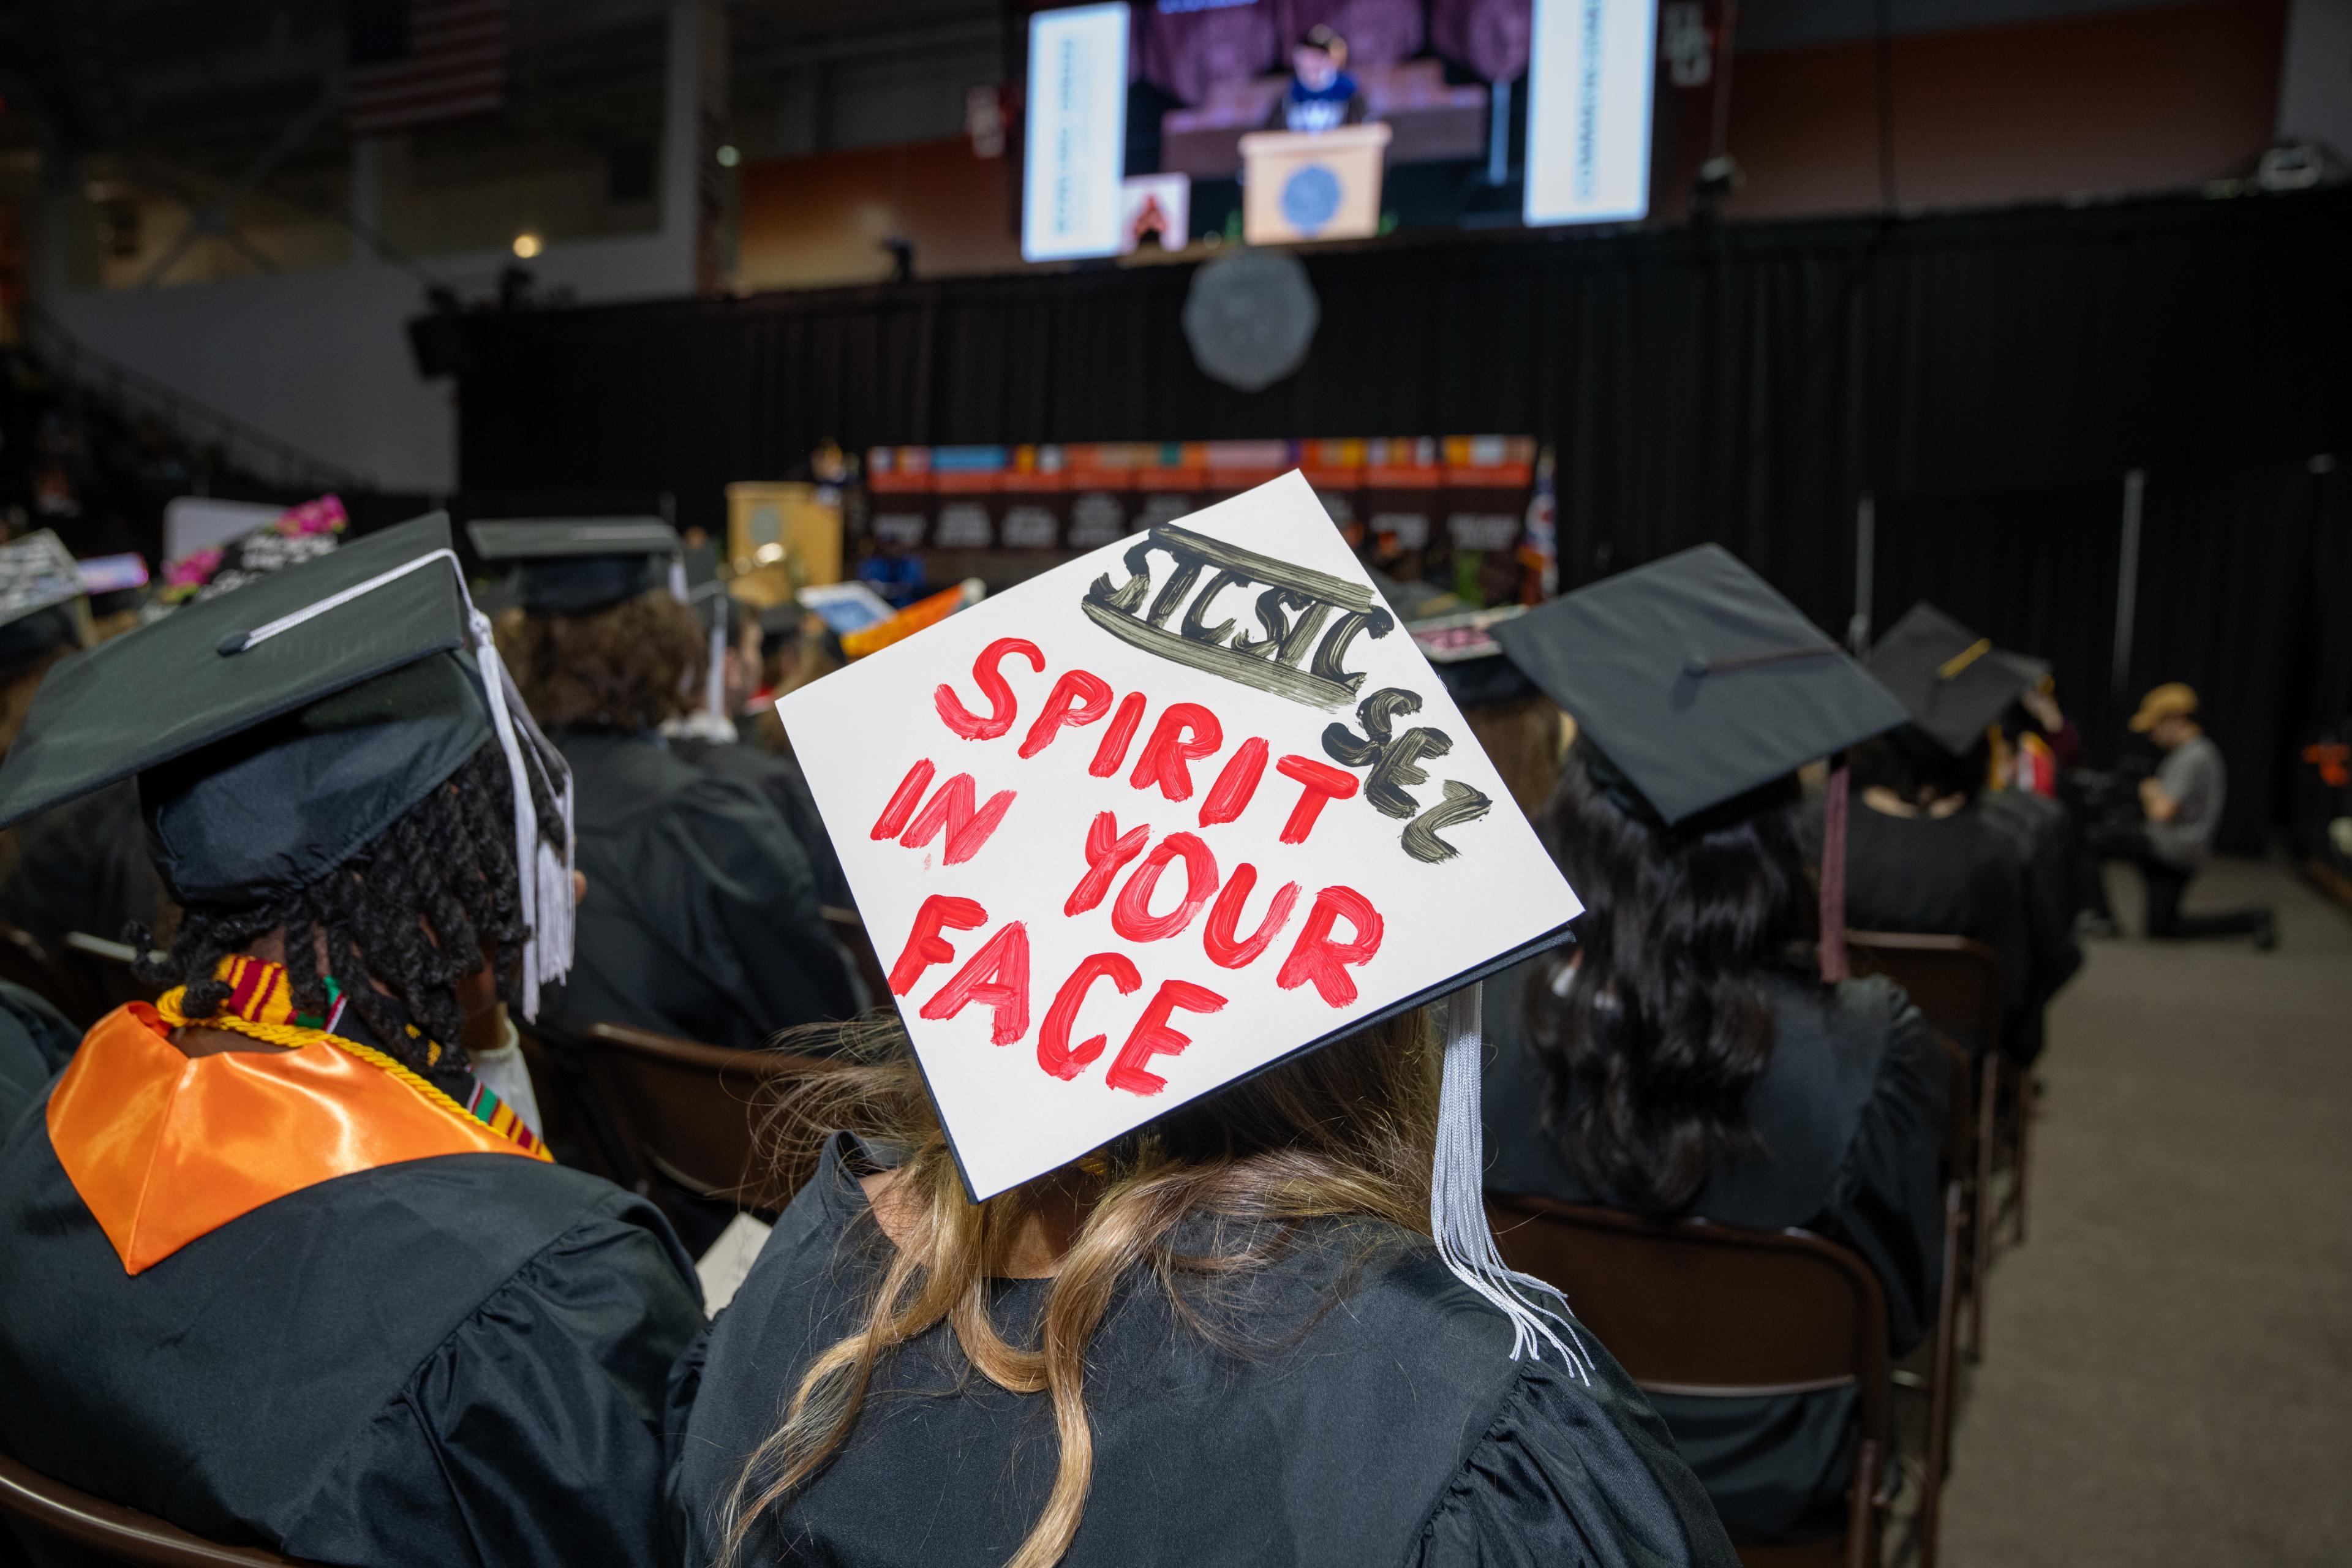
1322	95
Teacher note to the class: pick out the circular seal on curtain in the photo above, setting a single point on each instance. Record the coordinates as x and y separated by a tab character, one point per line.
1250	317
1309	197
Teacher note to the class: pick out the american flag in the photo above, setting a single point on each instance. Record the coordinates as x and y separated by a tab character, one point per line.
425	62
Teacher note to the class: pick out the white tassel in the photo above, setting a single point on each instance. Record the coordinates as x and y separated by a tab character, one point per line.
1457	1205
714	688
543	870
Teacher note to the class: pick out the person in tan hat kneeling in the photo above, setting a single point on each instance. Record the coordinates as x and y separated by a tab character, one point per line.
2182	810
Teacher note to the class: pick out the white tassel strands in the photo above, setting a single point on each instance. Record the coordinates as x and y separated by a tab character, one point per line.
1457	1206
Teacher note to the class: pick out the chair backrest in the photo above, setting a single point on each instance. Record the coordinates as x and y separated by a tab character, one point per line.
690	1111
1959	1116
1695	1307
62	1528
571	1116
850	932
1955	981
1692	1308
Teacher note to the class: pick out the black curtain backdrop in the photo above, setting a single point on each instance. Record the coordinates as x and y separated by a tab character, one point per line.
2033	570
2226	558
2237	571
2314	803
1745	385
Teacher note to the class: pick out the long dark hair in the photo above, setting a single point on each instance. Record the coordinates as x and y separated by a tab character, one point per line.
1665	1024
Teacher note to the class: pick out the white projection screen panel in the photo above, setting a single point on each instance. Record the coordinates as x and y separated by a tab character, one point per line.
1071	204
1590	77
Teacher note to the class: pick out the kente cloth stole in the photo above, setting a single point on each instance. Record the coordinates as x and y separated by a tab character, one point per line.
261	1004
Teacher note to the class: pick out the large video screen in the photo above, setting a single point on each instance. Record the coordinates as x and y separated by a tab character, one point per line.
1160	122
1588	81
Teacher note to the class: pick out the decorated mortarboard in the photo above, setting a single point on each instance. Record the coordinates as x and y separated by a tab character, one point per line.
576	565
1696	680
1162	817
301	532
1461	646
276	731
41	598
1954	683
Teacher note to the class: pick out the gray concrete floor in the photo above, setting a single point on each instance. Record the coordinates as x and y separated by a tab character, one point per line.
2168	1375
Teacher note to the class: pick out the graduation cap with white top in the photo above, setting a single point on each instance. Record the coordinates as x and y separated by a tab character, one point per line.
1162	817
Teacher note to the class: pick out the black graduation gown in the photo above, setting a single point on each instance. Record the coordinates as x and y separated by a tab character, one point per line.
1850	1111
84	868
457	1361
2041	834
701	915
1952	876
1375	1416
36	1041
779	777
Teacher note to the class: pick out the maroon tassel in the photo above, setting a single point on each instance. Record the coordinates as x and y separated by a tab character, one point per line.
1833	876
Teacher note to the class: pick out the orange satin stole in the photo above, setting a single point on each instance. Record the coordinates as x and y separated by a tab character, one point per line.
165	1148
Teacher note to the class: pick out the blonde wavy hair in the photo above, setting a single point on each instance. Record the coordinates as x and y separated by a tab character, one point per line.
1346	1132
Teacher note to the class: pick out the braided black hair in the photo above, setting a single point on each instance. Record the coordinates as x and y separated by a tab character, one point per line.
414	910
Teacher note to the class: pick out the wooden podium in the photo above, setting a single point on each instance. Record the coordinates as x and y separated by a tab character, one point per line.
1312	184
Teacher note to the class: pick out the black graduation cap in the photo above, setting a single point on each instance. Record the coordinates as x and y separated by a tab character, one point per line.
41	603
780	625
276	731
1461	648
574	565
1698	680
1953	682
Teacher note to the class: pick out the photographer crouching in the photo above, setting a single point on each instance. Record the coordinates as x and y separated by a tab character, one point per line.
2179	812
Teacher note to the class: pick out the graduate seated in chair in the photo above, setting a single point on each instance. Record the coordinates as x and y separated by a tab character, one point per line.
36	1042
1244	1297
1696	1052
725	733
84	866
280	1267
1927	851
706	923
1225	1292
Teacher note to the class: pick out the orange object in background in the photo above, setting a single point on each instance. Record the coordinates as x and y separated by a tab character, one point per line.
922	613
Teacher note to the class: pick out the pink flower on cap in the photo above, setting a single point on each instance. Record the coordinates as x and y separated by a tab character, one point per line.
323	515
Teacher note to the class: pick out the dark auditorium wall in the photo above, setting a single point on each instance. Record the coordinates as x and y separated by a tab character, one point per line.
2138	97
821	220
1747	384
2233	594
